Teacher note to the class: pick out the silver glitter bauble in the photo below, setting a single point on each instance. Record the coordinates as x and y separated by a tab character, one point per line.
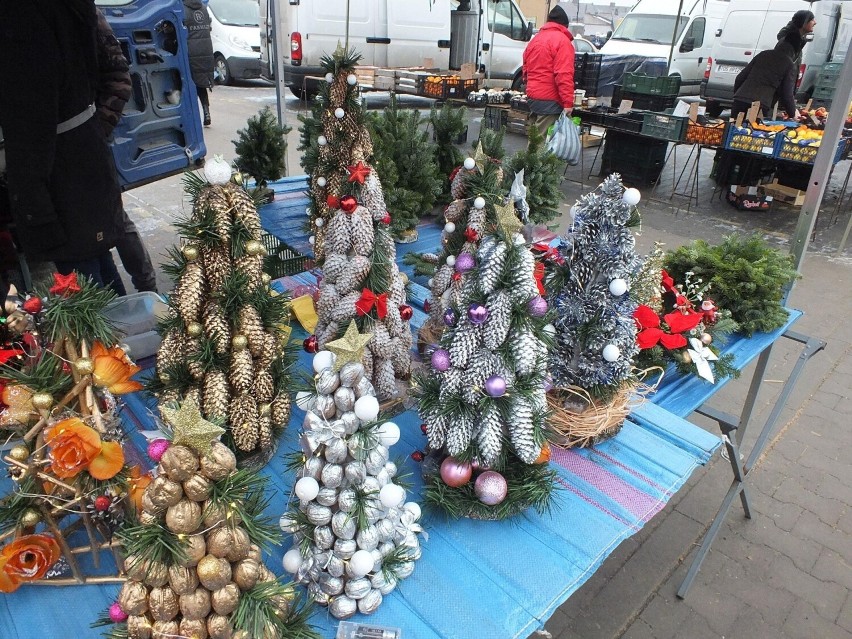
323	537
313	468
331	585
351	374
357	588
345	548
384	585
318	515
336	452
369	603
327	382
342	607
343	525
364	388
326	497
325	406
344	399
367	538
346	500
356	472
385	529
332	475
350	422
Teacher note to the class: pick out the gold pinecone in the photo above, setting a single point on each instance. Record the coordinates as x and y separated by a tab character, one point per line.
212	198
241	370
264	432
189	293
244	422
252	267
338	90
216	395
216	327
167	397
272	348
264	387
251	325
217	266
193	347
281	408
193	394
171	350
244	211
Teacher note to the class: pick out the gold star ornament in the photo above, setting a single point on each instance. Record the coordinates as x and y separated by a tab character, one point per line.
480	158
350	347
190	428
507	220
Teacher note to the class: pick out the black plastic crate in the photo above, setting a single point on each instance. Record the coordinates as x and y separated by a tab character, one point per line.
630	122
587	72
495	117
642	101
282	259
639	160
595	117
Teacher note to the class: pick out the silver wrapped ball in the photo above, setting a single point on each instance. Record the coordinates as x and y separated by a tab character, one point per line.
384	585
327	382
374	511
344	399
404	570
288	523
370	485
336	452
343	525
413	544
364	387
342	607
367	538
386	548
330	585
385	530
378	559
357	588
351	374
369	603
313	468
325	406
332	475
326	497
312	422
336	567
345	548
356	472
376	459
317	514
323	537
346	500
383	477
350	422
316	593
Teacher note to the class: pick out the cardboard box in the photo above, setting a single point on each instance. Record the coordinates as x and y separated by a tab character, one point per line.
590	139
785	194
747	198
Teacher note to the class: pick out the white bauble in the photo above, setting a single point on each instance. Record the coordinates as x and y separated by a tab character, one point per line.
319	222
351	79
430	282
323	360
449	227
307	488
292	561
388	434
329	77
339	113
469	163
611	352
322	140
479	203
308	211
632	196
414	508
361	563
217	171
367	408
618	286
312	240
321	181
549	329
391	495
451	260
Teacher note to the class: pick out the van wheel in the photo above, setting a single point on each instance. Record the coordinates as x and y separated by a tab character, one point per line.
714	109
223	74
518	83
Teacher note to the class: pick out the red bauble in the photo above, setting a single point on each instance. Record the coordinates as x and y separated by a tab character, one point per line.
386	218
311	344
427	306
32	305
417	456
348	203
424	428
333	201
102	503
456	276
406	312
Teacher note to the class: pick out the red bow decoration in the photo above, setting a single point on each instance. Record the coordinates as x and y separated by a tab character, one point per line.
548	252
650	334
368	300
538	274
65	285
470	235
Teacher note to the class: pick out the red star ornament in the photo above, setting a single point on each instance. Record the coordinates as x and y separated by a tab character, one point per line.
358	173
470	235
65	285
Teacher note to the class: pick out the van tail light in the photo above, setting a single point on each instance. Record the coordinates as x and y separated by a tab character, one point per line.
708	68
802	68
296	48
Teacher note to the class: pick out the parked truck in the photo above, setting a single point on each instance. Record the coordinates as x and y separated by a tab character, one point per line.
440	34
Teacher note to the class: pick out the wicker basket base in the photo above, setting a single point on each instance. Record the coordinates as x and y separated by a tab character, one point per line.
259	458
578	420
427	336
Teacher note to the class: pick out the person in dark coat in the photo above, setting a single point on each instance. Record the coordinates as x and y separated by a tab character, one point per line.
772	73
802	23
64	193
114	90
549	71
196	19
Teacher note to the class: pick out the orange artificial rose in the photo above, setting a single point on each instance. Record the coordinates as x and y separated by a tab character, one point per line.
138	484
113	370
75	447
28	558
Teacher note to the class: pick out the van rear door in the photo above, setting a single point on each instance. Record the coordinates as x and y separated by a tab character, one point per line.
414	32
160	132
506	26
322	25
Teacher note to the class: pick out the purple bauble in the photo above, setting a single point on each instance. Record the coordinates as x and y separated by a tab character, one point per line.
157	448
441	360
491	488
537	306
548	383
465	262
477	314
495	386
116	614
455	473
450	317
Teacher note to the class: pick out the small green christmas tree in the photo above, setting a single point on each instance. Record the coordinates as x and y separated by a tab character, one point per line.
448	124
261	148
541	177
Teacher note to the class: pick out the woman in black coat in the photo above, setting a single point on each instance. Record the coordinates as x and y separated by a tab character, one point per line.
63	189
770	75
196	19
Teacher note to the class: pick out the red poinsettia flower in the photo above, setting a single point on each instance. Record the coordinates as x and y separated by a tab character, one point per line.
667	281
650	334
680	322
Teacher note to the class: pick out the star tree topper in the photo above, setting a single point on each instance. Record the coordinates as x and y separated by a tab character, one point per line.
190	427
350	347
358	172
65	285
480	158
506	218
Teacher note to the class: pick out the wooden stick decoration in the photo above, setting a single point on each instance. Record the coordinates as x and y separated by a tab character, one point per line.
70	395
66	549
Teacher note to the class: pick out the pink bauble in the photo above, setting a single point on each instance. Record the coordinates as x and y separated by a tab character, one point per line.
116	614
455	473
157	448
491	488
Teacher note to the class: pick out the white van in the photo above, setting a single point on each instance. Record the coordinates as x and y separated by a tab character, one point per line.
752	26
235	31
654	29
399	33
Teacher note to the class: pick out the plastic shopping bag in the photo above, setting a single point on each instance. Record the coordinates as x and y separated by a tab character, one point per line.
565	141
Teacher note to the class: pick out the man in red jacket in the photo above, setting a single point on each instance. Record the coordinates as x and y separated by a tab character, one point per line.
549	71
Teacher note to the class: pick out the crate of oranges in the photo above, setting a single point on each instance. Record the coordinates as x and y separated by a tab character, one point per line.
444	87
710	134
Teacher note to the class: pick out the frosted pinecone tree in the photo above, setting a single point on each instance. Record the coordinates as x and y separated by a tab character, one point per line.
225	336
354	535
483	401
595	329
351	236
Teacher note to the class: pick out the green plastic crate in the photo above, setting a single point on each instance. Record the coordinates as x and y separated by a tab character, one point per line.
651	85
664	126
282	259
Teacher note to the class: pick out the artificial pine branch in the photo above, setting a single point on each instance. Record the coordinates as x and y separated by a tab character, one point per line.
200	228
243	492
80	316
193	183
448	123
41	373
152	542
541	177
176	266
492	143
258	613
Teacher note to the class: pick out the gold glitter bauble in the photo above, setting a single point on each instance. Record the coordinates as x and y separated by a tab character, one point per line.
194	329
253	247
190	252
239	342
42	401
30	518
84	366
20	453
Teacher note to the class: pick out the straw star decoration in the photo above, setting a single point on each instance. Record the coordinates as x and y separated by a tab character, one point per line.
480	158
190	427
506	218
350	347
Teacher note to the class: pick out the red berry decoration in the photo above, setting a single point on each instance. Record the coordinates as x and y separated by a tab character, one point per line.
417	456
32	305
348	203
406	312
332	201
386	218
456	276
423	428
102	503
311	344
